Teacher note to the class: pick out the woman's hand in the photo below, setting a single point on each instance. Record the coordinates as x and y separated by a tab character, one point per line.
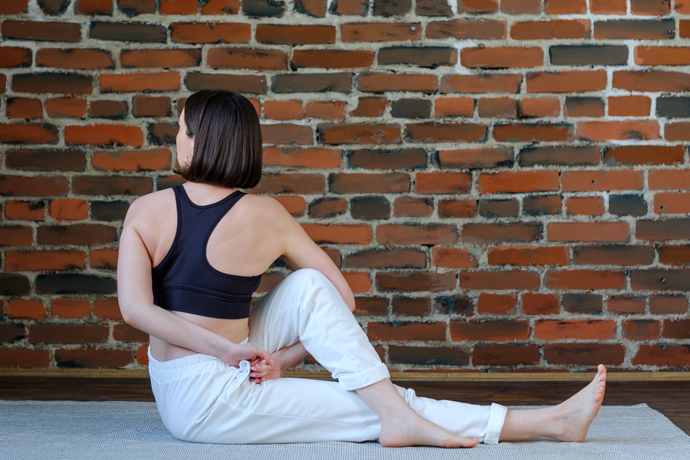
232	353
262	371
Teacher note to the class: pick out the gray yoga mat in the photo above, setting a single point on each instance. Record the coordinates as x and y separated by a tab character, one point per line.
133	430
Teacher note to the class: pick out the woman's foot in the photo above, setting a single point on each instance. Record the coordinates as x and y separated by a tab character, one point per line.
577	412
414	430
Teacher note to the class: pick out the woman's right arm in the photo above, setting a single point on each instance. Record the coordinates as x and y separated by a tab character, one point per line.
135	297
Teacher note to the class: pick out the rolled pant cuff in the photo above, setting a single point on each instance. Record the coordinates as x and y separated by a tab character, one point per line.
363	379
497	416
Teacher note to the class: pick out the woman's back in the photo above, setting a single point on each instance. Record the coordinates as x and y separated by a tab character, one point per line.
242	243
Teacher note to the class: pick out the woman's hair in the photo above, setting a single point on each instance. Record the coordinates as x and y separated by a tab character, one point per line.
227	140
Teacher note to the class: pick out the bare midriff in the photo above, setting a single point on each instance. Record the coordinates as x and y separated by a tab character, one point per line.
235	330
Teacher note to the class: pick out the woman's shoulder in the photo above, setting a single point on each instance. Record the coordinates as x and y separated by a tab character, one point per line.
149	206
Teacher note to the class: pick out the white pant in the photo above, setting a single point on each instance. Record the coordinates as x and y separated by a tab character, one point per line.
202	399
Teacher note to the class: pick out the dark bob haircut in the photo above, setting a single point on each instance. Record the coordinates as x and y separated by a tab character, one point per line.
227	140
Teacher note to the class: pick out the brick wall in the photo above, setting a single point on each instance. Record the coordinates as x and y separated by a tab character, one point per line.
505	184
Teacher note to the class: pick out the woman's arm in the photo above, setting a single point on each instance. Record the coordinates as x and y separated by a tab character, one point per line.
135	298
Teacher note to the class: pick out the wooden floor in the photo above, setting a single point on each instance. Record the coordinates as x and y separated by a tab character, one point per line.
670	398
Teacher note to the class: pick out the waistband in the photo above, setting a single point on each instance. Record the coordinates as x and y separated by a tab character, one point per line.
191	360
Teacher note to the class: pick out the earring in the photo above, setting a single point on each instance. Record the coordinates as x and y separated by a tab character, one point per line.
185	159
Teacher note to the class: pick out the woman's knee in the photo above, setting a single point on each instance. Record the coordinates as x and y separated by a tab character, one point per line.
309	277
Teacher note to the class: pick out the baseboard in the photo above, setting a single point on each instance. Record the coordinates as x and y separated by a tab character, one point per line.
414	376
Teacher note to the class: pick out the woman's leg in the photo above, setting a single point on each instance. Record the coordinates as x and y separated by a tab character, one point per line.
307	307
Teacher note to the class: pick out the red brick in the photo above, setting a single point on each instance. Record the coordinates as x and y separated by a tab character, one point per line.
15	56
497	304
415	281
669	179
328	110
452	208
10	358
359	134
672	203
332	59
339	233
452	257
539	304
505	355
446	132
161	58
454	107
588	231
398	234
24	107
674	255
309	158
567	81
625	304
665	355
618	130
243	58
283	110
531	255
393	258
220	7
209	32
406	206
286	133
178	6
34	186
66	107
127	333
104	135
140	82
276	34
359	282
27	309
601	181
442	182
584	329
499	280
17	133
676	328
475	158
25	210
630	106
290	183
484	331
461	29
584	279
104	259
550	30
70	308
546	132
585	206
74	58
479	233
502	56
408	331
539	107
496	83
107	308
13	7
370	107
584	354
640	329
69	209
518	182
380	32
37	30
660	304
16	236
650	80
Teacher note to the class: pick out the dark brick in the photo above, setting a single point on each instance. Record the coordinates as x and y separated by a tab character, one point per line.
41	160
627	205
41	31
433	8
115	110
128	32
613	255
504	354
263	8
582	354
349	7
136	7
163	133
411	108
391	7
386	258
151	106
14	284
577	106
53	7
74	283
559	155
327	207
428	57
387	159
313	8
109	210
312	82
673	107
499	208
429	356
454	305
10	333
582	303
670	229
410	306
195	81
543	205
370	208
67	333
660	280
588	55
47	82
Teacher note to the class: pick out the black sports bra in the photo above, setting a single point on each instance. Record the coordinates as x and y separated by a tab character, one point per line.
185	280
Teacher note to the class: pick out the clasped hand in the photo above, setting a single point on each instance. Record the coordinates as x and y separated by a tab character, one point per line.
263	365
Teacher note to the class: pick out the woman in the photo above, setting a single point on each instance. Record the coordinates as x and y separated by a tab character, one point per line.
190	258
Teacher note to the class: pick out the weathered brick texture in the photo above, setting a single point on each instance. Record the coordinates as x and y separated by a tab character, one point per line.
505	185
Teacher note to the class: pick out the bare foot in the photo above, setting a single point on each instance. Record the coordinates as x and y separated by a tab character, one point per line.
579	410
414	430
